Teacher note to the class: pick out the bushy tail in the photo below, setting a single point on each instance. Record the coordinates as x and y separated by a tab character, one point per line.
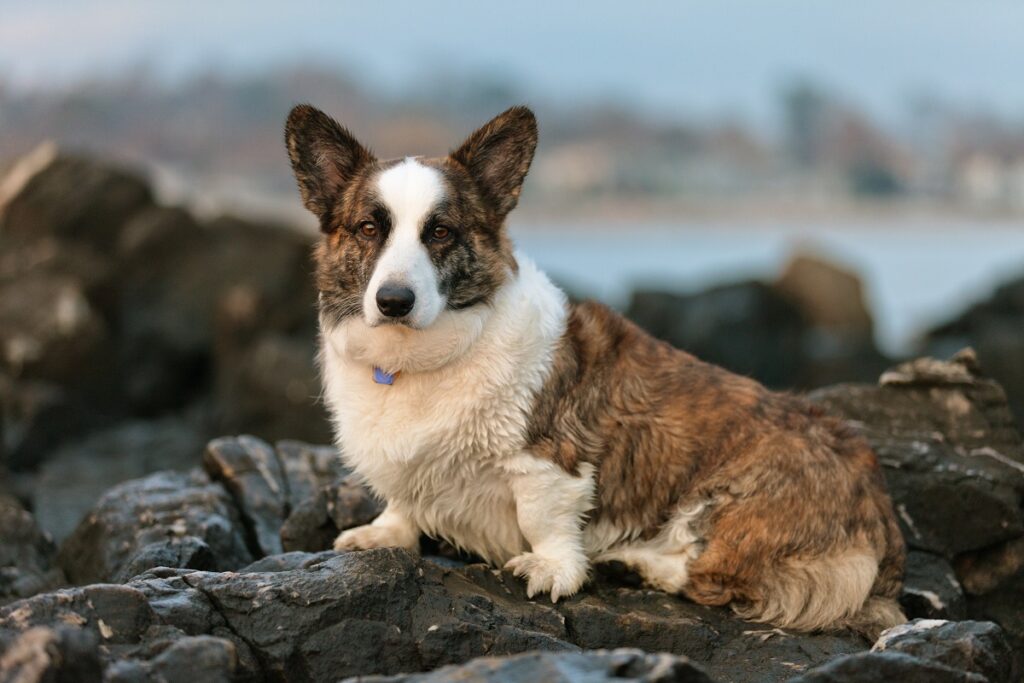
877	614
824	594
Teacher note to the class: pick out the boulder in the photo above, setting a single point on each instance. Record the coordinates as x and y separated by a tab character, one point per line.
328	616
62	654
747	327
971	646
272	385
830	296
166	519
195	295
993	327
26	555
561	667
72	479
931	589
950	451
52	194
292	497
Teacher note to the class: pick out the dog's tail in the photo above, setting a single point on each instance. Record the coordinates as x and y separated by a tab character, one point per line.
824	594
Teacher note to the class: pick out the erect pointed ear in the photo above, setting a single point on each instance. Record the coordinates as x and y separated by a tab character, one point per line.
325	157
498	156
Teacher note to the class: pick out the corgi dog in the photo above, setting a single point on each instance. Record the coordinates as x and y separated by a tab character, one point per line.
545	436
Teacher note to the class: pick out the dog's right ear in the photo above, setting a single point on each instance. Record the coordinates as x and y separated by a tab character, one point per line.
325	157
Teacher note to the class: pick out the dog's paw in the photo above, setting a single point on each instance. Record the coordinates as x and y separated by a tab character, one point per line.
369	536
560	576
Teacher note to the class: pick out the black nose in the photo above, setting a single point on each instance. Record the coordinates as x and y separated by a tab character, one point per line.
395	301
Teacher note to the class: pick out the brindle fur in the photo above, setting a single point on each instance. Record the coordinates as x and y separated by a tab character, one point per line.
335	172
781	480
779	483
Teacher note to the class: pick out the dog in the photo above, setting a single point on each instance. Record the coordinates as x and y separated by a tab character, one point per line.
546	437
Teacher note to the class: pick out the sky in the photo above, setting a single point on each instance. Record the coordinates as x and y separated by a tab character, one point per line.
684	57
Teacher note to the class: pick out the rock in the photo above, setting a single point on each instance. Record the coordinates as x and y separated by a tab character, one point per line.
561	667
993	328
295	498
37	416
871	667
26	555
52	194
251	472
748	327
931	589
327	616
830	297
315	522
1003	605
49	331
71	480
52	655
983	571
273	384
195	295
976	647
809	329
165	519
950	451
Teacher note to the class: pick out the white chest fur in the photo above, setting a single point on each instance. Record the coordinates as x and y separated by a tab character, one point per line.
437	442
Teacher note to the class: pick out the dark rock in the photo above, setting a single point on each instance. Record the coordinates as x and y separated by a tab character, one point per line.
973	646
195	295
871	667
993	327
562	667
831	297
931	589
951	453
315	522
37	415
70	198
52	655
748	327
251	472
1005	606
26	555
150	522
49	330
308	468
297	497
311	617
983	571
72	479
273	384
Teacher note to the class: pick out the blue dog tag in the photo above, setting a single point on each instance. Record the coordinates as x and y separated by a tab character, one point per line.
381	377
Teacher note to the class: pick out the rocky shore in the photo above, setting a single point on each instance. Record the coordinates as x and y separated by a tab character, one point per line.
135	546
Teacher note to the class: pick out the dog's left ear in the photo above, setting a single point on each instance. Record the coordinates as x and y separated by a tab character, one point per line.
498	156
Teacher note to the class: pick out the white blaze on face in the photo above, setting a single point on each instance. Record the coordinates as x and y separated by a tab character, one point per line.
410	191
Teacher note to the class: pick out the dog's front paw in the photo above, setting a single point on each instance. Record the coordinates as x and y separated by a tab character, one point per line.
369	536
561	576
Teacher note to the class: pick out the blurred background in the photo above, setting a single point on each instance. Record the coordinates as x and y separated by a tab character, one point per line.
804	192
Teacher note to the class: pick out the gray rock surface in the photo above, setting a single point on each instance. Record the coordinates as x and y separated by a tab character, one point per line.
26	555
165	519
952	456
972	646
327	616
561	667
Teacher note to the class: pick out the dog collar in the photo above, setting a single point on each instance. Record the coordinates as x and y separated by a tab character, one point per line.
381	377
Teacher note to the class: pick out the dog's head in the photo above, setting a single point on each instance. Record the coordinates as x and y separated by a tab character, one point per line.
406	241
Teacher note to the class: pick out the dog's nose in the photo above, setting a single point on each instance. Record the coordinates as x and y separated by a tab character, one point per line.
395	301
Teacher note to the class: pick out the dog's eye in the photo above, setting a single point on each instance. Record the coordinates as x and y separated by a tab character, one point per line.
368	230
440	233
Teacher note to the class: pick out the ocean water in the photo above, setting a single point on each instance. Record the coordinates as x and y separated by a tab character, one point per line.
915	276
